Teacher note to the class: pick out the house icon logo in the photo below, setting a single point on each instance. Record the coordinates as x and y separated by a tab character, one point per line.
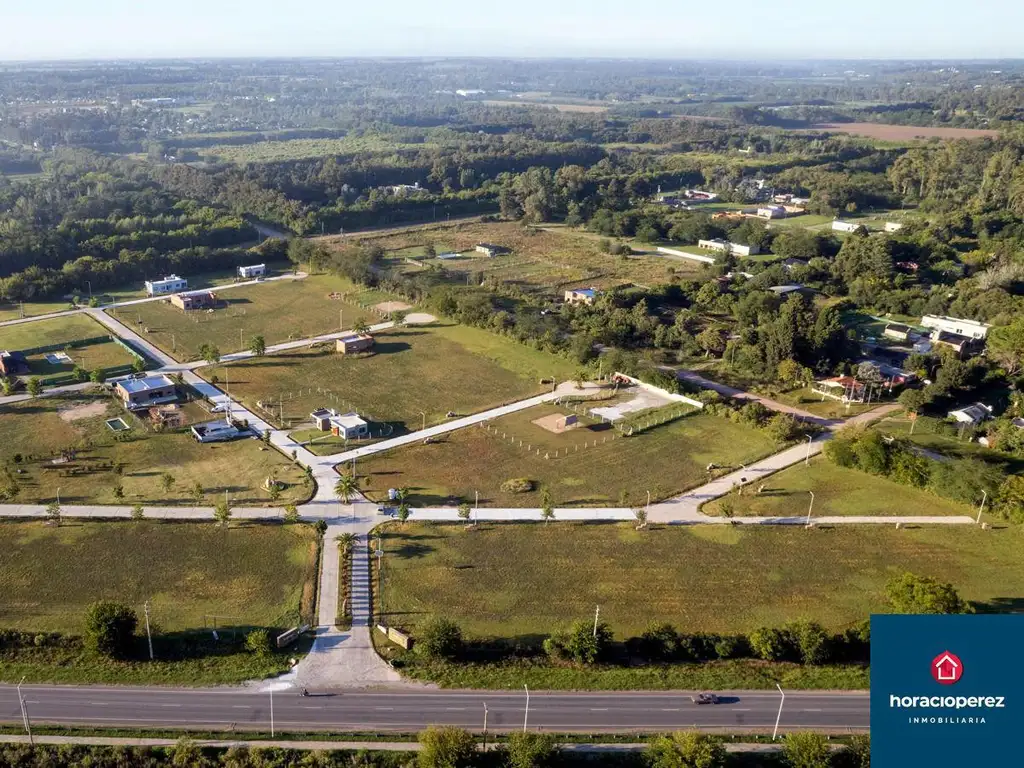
947	668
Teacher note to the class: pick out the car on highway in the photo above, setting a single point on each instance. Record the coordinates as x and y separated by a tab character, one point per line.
704	698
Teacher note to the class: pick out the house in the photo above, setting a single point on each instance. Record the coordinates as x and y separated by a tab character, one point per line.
252	271
723	246
699	196
13	363
845	389
581	296
790	264
972	414
145	391
957	325
215	431
893	226
345	425
893	376
947	669
783	290
847	226
167	416
771	212
357	342
194	300
897	331
727	216
490	250
166	285
962	345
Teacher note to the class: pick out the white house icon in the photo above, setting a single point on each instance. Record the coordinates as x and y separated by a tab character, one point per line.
946	667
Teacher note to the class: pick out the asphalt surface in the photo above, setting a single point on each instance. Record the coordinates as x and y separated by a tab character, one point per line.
410	710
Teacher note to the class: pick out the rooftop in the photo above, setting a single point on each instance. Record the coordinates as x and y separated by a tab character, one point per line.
146	383
348	420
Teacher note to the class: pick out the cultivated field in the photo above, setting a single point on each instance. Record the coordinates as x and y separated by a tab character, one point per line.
888	132
415	375
700	578
665	461
837	491
33	433
298	149
58	336
192	574
278	311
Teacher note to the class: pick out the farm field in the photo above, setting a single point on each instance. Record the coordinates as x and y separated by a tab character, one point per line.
55	335
720	579
415	375
837	491
889	132
247	575
32	432
664	460
298	149
278	311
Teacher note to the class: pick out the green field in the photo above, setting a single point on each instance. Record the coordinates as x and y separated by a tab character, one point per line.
837	491
64	331
665	461
298	149
278	311
34	431
700	578
415	374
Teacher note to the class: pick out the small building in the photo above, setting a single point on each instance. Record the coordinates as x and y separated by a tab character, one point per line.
145	391
724	246
957	325
893	226
785	290
13	363
964	346
194	300
166	285
847	226
349	426
252	271
490	250
215	432
687	255
580	296
845	389
971	414
357	342
897	331
772	212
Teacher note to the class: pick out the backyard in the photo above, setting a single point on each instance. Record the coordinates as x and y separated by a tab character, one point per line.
596	465
35	433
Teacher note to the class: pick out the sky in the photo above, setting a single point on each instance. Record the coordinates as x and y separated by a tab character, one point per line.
738	29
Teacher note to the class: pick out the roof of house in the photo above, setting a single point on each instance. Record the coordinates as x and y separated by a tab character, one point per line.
952	338
588	292
356	337
348	420
784	289
17	357
975	411
898	327
321	413
146	383
841	381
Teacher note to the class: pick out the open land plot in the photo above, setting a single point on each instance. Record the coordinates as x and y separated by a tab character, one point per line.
664	460
889	132
796	222
278	311
701	578
69	340
807	400
298	149
414	375
14	310
943	437
34	432
837	491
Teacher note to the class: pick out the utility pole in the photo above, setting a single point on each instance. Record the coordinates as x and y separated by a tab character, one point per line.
526	714
149	635
647	510
484	748
24	714
271	713
597	614
341	319
779	716
241	344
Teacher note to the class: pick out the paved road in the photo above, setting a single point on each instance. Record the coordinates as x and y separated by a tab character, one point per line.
414	710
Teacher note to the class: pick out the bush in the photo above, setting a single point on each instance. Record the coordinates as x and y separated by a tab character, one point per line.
517	485
110	628
782	428
257	642
909	593
812	642
839	450
439	639
771	644
579	643
659	642
446	747
807	750
732	647
530	750
686	749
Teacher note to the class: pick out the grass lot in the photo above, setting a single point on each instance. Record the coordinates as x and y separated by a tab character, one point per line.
806	221
193	575
809	401
105	355
664	460
298	149
432	369
38	429
837	491
32	308
278	311
941	436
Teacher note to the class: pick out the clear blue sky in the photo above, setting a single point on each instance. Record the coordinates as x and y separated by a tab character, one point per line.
788	29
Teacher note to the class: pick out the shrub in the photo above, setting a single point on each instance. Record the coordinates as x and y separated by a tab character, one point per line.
686	749
257	642
579	643
732	647
807	750
659	642
839	450
439	639
530	750
909	593
770	644
110	628
812	642
517	485
446	747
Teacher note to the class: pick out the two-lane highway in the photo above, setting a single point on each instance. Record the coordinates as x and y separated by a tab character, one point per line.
411	710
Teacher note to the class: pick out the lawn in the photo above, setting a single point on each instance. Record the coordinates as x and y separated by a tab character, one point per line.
32	432
942	437
279	311
60	334
807	400
664	460
416	375
837	491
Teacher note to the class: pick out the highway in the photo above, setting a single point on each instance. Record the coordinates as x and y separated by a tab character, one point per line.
411	710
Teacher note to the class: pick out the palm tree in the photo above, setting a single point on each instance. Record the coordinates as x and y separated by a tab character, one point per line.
360	326
402	493
346	541
641	517
464	511
346	487
547	512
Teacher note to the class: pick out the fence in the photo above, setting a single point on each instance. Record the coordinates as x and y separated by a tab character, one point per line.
658	390
77	343
547	452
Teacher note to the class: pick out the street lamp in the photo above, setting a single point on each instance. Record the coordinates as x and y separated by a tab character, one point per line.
648	508
810	507
24	713
984	497
424	415
807	458
526	713
779	716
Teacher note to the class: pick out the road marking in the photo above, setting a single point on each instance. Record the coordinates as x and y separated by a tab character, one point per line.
168	705
312	707
240	706
99	703
812	710
599	709
385	709
741	709
454	709
670	710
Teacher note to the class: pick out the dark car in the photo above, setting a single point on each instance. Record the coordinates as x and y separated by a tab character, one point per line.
704	698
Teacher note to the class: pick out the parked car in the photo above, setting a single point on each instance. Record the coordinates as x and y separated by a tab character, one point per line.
704	698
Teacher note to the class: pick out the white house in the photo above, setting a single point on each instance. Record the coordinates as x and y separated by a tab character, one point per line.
726	247
347	425
772	212
971	414
846	226
685	255
957	325
215	432
169	284
252	271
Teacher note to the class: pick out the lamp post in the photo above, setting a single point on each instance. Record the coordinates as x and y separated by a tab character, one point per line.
984	498
526	713
485	727
24	713
647	509
779	716
810	507
807	457
424	423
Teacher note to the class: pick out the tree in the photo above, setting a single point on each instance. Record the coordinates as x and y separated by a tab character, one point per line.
167	481
345	541
446	747
1005	345
812	641
711	341
79	374
807	750
197	492
320	526
770	644
209	353
118	491
97	376
360	326
439	638
346	487
464	511
257	642
291	513
640	514
403	512
579	643
222	512
686	749
258	346
138	365
782	428
857	754
138	513
547	511
34	386
909	593
530	750
110	628
53	513
913	400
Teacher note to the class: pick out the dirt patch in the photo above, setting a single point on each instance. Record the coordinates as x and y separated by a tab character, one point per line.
888	132
557	422
393	306
82	411
419	318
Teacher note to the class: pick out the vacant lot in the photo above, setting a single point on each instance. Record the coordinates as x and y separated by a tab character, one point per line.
33	433
278	311
260	575
837	491
64	336
665	461
700	578
889	132
415	374
298	149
